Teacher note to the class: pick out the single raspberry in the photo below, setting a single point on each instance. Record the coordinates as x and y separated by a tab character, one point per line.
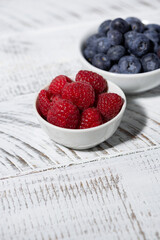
80	93
54	99
91	117
43	103
97	81
109	105
63	113
58	83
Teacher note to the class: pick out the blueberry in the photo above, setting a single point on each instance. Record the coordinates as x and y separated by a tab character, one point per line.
153	27
116	52
152	35
114	69
120	25
92	40
129	64
104	26
139	45
115	37
156	47
129	36
101	61
136	24
102	45
89	52
150	62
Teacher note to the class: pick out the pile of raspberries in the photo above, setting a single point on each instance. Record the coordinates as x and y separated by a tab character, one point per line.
80	104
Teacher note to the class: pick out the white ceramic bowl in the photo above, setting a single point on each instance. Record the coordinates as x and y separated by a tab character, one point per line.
83	138
130	83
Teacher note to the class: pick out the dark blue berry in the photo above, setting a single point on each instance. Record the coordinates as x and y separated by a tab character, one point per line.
156	47
114	69
120	25
115	37
89	52
116	52
153	27
136	24
129	64
92	40
150	62
104	27
102	45
101	61
152	35
128	37
139	45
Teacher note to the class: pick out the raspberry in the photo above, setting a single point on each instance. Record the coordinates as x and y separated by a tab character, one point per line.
58	83
63	113
109	105
97	81
55	98
80	93
43	103
91	117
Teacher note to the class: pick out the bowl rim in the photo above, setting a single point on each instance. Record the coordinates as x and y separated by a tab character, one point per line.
87	129
91	31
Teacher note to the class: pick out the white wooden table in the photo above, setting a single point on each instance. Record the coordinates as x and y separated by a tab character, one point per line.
47	191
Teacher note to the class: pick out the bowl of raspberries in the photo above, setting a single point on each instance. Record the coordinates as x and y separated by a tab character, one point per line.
124	51
80	114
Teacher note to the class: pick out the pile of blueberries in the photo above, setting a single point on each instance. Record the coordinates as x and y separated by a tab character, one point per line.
124	46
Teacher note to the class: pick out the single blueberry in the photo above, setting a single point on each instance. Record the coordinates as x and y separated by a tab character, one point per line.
104	26
114	69
150	62
153	27
152	35
139	45
128	37
89	52
116	52
115	37
101	61
102	45
136	24
120	25
91	41
129	65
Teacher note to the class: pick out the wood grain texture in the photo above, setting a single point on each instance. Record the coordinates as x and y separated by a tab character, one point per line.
23	16
108	199
50	192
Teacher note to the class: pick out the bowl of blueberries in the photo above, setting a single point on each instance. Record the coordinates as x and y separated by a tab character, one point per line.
124	51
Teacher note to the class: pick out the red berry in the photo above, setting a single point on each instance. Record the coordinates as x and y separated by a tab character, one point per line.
91	117
80	93
97	81
109	105
58	84
55	98
63	113
43	103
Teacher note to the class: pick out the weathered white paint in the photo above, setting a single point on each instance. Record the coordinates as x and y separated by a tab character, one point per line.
48	191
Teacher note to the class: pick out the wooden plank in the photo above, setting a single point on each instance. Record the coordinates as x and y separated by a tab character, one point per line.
113	199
